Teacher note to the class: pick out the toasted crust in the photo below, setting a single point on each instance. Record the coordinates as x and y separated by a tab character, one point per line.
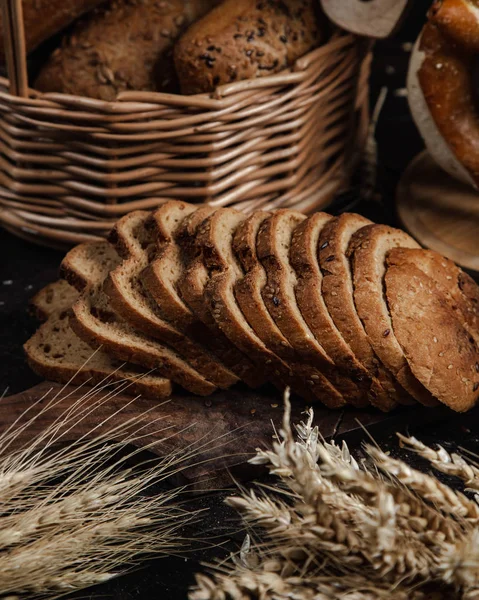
135	236
193	286
94	321
368	250
57	354
337	289
309	297
56	296
439	351
248	292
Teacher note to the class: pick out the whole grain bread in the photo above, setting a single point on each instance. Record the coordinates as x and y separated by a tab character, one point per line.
57	354
193	285
458	286
245	40
219	293
309	297
134	238
126	45
368	251
93	319
54	297
43	19
273	247
438	349
337	291
248	292
161	276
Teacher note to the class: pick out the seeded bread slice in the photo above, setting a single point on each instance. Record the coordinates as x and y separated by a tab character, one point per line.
368	250
273	246
309	297
97	324
219	293
134	237
54	297
460	289
248	293
161	276
192	287
438	349
56	353
337	289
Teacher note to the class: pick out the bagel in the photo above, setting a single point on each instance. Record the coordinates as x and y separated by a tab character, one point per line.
441	90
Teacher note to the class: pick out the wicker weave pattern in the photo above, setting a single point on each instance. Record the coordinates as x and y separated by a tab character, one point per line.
70	166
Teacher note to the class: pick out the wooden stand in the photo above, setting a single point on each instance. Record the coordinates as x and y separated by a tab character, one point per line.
440	212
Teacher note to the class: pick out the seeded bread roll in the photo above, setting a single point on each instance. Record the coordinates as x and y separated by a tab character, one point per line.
245	39
127	46
44	18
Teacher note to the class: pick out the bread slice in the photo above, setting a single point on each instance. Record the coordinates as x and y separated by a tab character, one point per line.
219	293
438	349
337	289
248	292
96	323
56	296
57	354
192	287
134	237
460	289
368	250
161	276
309	297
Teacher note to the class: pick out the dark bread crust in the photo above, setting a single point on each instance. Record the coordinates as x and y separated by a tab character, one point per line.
368	251
135	238
57	354
273	246
304	260
122	46
460	289
95	322
438	349
245	40
337	290
248	292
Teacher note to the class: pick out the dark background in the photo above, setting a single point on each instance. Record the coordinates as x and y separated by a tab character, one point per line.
25	268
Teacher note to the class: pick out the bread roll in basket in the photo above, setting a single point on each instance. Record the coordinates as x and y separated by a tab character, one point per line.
71	165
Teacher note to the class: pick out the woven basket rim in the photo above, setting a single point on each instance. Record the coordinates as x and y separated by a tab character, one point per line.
137	101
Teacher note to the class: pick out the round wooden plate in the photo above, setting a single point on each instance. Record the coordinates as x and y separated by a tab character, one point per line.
440	212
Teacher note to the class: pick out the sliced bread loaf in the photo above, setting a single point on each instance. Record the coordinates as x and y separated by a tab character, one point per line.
56	296
337	290
248	292
438	349
193	285
309	297
57	354
273	246
368	250
96	323
134	237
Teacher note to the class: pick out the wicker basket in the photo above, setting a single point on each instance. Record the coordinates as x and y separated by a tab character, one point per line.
70	166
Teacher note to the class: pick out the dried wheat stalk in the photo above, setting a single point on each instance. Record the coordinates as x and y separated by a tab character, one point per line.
75	516
333	529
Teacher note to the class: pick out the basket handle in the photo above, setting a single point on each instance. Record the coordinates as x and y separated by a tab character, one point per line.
15	51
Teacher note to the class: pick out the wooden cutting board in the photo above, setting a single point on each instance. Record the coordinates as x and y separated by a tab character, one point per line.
229	426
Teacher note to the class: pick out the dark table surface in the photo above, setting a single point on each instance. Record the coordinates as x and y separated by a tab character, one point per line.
25	268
